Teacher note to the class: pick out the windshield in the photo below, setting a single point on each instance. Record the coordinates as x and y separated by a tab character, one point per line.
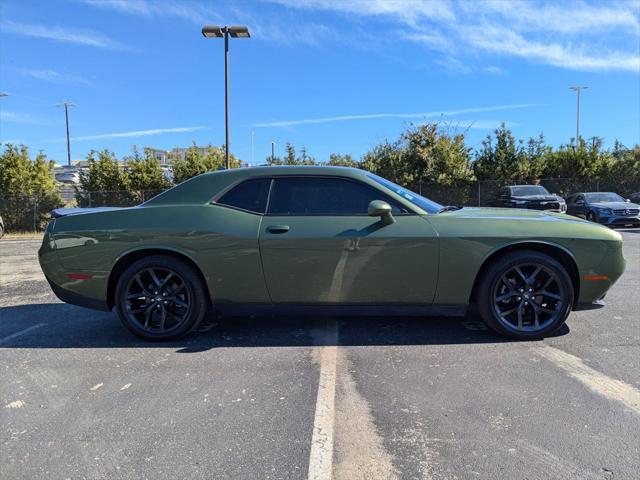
528	190
604	197
425	204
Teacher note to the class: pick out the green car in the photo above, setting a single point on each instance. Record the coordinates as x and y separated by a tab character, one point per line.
324	240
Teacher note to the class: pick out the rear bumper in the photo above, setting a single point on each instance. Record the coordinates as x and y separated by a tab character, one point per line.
80	300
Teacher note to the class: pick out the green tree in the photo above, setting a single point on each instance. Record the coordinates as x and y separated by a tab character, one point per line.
146	178
104	182
28	191
194	162
291	158
339	160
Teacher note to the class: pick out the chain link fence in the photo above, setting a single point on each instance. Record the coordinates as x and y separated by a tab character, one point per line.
26	213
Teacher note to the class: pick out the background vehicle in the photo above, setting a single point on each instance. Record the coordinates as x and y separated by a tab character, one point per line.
324	240
635	198
534	197
607	208
67	176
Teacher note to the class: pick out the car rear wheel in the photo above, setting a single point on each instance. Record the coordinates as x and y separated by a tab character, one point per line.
160	298
525	295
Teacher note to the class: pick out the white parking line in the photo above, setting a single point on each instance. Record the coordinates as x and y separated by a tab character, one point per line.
321	455
21	332
600	383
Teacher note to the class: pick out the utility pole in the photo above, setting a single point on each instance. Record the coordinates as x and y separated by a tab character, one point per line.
252	134
577	89
273	151
66	106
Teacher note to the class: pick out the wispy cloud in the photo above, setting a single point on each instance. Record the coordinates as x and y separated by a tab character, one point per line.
371	116
19	117
53	76
59	34
187	10
138	133
576	35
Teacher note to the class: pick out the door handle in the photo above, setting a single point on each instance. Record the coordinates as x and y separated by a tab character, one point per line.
278	228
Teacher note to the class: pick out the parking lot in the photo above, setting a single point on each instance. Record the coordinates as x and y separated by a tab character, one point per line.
297	398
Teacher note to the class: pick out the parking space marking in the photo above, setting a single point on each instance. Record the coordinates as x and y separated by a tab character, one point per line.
20	333
321	455
598	382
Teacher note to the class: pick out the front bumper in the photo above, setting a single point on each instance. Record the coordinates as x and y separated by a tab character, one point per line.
619	221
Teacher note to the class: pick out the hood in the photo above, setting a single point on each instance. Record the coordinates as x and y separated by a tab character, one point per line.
64	212
539	198
615	205
512	214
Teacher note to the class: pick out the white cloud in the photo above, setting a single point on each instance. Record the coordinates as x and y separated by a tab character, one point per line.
137	133
53	76
371	116
576	35
18	117
195	12
88	38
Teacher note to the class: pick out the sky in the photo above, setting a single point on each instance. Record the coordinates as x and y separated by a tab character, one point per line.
334	76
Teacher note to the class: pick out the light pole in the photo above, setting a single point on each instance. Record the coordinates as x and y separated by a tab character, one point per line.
577	89
66	106
214	31
273	151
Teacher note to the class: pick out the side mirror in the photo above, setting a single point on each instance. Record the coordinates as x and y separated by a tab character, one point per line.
378	208
627	200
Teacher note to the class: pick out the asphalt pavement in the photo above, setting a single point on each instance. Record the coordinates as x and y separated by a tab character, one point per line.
299	398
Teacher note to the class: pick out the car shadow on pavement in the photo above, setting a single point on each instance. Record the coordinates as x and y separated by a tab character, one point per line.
57	325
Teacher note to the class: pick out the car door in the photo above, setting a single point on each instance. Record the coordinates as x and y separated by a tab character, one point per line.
319	246
578	207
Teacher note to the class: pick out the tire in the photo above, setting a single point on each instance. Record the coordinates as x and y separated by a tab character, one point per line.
525	295
1	231
146	312
591	217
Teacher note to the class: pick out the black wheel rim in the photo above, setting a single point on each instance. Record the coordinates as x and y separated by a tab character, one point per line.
157	300
528	298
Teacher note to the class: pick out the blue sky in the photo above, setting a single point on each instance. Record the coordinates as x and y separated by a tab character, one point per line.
332	75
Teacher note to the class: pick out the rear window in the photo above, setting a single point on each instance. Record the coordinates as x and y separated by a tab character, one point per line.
250	195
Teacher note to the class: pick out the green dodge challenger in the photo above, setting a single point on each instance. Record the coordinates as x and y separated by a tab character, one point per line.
324	240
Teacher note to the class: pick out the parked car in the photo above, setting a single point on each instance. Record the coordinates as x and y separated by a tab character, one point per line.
635	197
1	227
534	197
68	176
329	240
607	208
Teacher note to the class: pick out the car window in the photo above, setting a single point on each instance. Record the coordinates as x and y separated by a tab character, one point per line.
604	197
526	190
324	196
250	195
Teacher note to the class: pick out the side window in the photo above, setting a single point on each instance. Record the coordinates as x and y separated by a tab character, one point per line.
324	196
250	195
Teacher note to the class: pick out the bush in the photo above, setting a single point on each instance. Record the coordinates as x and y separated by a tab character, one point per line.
28	191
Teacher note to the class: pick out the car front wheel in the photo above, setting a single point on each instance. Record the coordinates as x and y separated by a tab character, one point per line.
591	217
160	298
525	295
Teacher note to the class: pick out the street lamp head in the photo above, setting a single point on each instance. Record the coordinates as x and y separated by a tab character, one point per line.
239	31
212	31
236	31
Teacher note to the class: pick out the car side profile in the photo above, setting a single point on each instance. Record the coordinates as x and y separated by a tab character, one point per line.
327	240
607	208
534	197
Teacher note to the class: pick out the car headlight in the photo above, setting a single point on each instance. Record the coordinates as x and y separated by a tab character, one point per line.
605	211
